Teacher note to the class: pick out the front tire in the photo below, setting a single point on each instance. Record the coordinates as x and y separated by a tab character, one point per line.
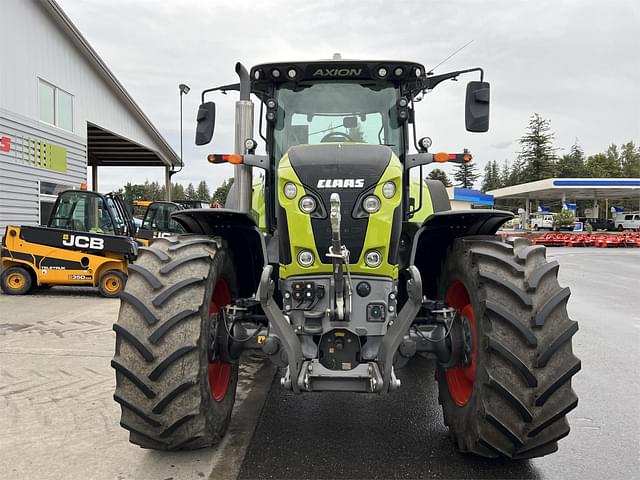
174	391
16	281
512	398
111	283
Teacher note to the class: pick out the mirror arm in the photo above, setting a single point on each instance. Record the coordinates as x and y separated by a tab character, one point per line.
259	161
223	88
429	83
417	159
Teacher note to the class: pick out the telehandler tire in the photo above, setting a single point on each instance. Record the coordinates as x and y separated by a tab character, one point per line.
174	391
513	397
112	283
16	281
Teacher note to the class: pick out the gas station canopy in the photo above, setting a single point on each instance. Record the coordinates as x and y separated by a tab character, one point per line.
572	188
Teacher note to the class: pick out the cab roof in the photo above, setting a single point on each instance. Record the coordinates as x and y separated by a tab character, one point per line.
342	69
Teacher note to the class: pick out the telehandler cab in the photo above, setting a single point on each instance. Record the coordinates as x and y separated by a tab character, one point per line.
157	221
341	269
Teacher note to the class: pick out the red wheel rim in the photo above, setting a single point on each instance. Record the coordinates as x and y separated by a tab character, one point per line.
219	373
460	380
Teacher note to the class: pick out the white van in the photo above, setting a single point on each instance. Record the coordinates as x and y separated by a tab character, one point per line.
541	221
627	221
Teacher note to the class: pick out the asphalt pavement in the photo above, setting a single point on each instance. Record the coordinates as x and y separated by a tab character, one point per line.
402	435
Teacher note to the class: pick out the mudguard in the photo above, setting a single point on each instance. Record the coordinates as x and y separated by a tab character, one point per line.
242	235
438	232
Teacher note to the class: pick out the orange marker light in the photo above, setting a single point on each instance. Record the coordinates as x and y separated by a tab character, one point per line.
441	157
233	158
83	186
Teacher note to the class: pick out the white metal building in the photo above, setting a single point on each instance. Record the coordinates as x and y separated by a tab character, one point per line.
61	111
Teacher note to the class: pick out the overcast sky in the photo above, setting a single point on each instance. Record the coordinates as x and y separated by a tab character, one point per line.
573	62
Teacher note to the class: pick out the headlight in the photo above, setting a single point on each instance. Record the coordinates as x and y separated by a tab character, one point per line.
389	189
290	190
305	258
307	204
371	204
373	258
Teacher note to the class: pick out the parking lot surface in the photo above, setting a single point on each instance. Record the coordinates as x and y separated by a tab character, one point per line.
59	419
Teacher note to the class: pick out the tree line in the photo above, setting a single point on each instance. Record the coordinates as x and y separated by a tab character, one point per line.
153	191
538	159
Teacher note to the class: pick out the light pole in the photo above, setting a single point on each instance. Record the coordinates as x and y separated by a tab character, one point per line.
184	89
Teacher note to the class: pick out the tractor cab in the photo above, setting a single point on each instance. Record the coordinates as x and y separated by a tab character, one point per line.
345	102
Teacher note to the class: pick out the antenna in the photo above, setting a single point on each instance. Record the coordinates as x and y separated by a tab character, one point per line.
430	71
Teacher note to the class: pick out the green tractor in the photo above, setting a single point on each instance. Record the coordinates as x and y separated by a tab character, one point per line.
341	266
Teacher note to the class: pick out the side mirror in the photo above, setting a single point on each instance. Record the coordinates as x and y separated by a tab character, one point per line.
206	122
477	107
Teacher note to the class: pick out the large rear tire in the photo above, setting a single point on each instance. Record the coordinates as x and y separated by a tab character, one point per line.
512	398
174	390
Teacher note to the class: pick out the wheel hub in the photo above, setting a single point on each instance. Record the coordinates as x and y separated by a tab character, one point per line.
219	372
461	379
467	341
15	280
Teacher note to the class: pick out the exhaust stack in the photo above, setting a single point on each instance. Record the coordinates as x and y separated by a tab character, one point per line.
244	130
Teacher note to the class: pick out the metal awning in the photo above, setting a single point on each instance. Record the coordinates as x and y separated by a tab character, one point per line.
572	188
107	149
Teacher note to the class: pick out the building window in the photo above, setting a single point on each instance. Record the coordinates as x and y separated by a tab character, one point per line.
47	102
48	196
56	106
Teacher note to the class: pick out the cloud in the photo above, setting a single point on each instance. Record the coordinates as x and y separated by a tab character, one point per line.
574	62
501	145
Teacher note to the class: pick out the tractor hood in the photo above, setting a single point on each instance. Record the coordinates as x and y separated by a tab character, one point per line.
354	171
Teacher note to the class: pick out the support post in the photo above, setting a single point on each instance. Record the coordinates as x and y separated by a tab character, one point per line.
167	184
94	178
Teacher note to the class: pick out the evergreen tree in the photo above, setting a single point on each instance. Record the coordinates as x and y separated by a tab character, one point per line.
614	161
439	174
190	193
220	195
466	174
518	172
537	153
630	160
602	165
505	174
572	165
177	192
491	179
203	192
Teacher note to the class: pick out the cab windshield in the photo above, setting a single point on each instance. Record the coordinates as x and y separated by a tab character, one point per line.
324	112
82	211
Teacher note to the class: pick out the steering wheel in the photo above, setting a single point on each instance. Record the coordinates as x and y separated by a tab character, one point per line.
336	137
